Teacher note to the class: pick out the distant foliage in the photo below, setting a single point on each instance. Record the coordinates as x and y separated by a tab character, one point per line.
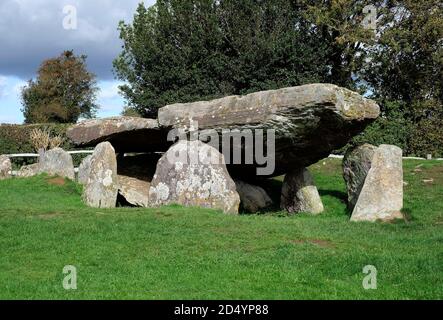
63	91
41	139
131	112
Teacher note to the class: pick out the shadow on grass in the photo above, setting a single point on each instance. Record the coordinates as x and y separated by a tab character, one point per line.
342	196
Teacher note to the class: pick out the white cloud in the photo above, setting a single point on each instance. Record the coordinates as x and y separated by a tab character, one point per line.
109	90
3	82
31	31
17	88
110	101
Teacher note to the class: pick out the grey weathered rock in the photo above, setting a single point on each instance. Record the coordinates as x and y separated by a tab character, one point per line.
309	121
101	188
29	170
134	191
135	174
381	197
84	170
252	198
194	174
299	193
356	165
57	162
126	134
5	167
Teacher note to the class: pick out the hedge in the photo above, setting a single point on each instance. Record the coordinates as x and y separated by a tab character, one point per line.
15	139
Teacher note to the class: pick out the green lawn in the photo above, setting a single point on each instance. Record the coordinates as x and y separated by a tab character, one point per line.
182	253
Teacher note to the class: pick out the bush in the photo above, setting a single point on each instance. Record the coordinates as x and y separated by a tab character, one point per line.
396	126
16	139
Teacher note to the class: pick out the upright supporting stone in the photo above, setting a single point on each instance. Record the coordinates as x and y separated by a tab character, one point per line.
57	162
356	165
84	170
5	167
194	174
100	191
299	193
381	197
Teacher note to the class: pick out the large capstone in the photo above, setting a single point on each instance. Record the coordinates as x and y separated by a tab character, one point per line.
5	167
100	191
126	134
356	165
309	122
299	193
194	174
57	162
381	197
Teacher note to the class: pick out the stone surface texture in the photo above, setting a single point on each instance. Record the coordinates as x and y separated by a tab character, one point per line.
381	197
194	174
299	193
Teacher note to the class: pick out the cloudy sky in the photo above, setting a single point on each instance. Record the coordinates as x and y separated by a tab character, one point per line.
34	30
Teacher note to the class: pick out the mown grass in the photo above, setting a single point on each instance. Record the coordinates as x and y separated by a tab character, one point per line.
183	253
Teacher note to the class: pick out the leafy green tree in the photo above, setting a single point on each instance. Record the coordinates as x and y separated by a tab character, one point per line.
63	91
187	50
405	71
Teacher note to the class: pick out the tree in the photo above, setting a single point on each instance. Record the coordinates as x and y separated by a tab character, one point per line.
187	50
405	72
63	92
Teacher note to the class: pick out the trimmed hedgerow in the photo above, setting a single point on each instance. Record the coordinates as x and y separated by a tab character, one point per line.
16	139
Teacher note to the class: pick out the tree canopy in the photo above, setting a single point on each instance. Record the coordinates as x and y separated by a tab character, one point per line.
188	50
63	91
180	51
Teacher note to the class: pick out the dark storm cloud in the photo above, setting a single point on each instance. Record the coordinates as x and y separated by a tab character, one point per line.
32	30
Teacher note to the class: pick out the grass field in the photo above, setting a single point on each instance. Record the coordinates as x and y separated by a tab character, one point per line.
183	253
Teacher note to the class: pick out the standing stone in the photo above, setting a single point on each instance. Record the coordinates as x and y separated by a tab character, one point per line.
84	170
252	198
299	193
29	170
101	188
194	174
5	167
57	162
356	165
381	197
